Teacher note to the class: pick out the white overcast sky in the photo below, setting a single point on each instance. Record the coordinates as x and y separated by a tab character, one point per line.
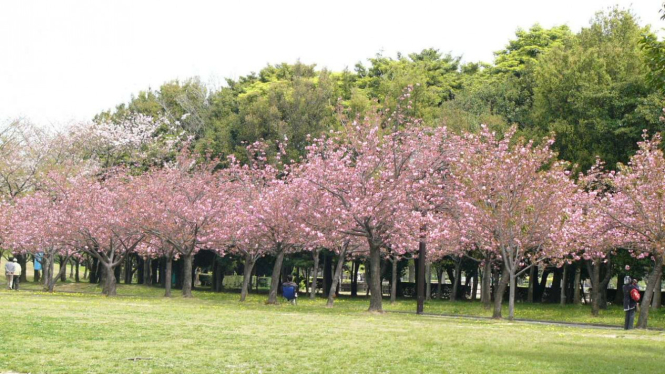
63	61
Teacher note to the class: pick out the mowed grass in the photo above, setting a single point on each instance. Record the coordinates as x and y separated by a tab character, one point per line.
613	315
214	333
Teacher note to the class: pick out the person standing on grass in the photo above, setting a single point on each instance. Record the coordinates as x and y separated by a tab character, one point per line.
629	305
9	274
290	289
17	274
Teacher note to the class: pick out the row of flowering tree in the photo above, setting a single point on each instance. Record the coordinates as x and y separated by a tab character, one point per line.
386	187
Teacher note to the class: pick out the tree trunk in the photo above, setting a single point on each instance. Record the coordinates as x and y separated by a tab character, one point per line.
428	281
49	278
651	285
76	273
598	287
555	290
275	281
213	276
540	292
457	280
63	274
577	299
155	271
375	300
23	261
354	281
116	273
465	289
602	300
327	273
593	267
657	293
562	297
167	276
95	271
368	276
393	282
52	278
532	274
420	274
246	276
102	276
485	290
439	282
147	274
220	280
256	284
140	269
110	281
129	264
337	276
511	296
474	289
618	296
187	275
315	274
495	284
498	294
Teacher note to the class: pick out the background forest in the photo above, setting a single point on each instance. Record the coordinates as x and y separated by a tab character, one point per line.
596	90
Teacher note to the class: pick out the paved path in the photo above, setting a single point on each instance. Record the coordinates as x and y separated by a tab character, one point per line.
525	320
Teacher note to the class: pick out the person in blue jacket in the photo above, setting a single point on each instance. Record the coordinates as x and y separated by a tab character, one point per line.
290	289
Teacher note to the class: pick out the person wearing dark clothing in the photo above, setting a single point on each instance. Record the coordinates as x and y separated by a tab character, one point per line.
629	305
290	289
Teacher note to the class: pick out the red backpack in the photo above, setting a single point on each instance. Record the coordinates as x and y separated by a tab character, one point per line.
635	294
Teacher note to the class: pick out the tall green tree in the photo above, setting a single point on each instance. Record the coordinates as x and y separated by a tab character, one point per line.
593	93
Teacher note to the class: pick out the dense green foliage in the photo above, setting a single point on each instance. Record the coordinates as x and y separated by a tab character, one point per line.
596	89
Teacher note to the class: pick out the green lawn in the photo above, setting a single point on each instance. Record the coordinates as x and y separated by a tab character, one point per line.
213	333
614	315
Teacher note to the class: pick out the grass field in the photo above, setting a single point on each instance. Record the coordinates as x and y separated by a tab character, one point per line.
213	333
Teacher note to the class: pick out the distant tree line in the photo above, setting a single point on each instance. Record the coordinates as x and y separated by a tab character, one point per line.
596	90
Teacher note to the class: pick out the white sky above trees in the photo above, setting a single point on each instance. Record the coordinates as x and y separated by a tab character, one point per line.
64	61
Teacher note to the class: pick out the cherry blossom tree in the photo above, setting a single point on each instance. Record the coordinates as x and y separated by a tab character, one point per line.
274	224
183	203
324	225
5	219
519	195
243	231
588	235
239	234
101	218
154	247
36	226
269	217
135	139
431	200
635	207
24	157
28	155
365	170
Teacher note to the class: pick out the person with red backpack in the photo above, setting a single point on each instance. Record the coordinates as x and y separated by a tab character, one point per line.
631	295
